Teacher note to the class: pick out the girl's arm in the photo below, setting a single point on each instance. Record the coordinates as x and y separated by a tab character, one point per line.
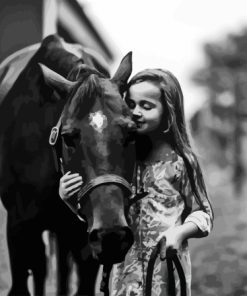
198	219
198	209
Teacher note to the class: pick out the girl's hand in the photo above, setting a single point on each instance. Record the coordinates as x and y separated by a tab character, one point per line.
69	185
171	241
173	238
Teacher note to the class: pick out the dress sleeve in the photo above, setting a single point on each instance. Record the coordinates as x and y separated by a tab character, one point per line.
197	209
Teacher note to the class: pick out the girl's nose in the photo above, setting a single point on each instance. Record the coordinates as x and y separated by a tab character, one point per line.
137	112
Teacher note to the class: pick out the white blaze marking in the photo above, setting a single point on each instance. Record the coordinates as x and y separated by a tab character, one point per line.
98	121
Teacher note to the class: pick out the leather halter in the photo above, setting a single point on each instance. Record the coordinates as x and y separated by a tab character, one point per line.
99	180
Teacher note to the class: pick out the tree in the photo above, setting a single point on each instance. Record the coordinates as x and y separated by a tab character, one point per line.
225	78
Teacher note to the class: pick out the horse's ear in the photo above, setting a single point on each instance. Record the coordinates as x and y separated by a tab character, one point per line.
123	72
62	85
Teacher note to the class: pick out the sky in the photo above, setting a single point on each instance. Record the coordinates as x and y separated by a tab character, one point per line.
167	34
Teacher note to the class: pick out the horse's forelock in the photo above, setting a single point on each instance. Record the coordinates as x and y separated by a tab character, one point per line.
89	88
83	95
81	71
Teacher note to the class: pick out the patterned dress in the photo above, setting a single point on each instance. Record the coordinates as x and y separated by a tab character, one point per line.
169	196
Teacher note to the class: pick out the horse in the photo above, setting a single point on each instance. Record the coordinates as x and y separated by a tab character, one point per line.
89	127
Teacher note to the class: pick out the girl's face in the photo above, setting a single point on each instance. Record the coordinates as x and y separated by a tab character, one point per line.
145	105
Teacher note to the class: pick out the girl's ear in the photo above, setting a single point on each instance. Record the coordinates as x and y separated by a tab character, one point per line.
123	72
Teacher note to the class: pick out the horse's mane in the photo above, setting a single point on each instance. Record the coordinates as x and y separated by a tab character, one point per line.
53	54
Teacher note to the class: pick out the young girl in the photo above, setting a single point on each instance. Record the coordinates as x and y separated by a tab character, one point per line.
173	204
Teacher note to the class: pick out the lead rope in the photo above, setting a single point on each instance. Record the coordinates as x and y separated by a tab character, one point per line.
170	271
138	186
104	285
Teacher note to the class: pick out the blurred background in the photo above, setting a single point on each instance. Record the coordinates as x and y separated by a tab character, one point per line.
204	43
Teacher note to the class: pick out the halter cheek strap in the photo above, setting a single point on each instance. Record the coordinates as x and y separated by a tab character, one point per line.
55	131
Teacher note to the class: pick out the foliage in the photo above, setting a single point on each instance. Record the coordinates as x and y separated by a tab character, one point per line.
224	77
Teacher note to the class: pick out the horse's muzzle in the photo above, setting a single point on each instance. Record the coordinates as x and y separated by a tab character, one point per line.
111	245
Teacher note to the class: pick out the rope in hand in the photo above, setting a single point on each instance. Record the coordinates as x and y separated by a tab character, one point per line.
170	260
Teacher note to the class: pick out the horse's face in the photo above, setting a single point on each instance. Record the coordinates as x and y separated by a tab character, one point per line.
96	124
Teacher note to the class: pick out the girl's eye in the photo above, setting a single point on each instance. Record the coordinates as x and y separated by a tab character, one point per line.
147	106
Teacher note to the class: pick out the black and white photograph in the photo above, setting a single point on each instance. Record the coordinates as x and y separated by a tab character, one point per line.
123	130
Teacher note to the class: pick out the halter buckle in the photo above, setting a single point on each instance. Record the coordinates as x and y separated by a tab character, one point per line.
53	135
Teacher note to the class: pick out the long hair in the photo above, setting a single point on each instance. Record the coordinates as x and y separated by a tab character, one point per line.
173	103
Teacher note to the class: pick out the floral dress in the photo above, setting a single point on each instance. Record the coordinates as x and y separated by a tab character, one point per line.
169	196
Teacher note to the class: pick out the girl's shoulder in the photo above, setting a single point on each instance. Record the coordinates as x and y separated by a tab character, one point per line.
172	158
170	166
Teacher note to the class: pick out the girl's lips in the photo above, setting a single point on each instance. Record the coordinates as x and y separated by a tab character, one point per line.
139	123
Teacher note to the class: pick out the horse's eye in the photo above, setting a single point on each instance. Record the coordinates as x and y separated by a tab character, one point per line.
131	104
69	141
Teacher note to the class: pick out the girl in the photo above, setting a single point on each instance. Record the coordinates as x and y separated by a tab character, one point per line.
174	204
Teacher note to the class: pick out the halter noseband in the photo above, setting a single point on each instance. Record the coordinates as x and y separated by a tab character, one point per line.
100	180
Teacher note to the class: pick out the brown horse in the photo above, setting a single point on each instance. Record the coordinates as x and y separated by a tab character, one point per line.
92	127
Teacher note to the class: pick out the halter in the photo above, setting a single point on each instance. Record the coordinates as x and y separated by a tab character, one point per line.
90	185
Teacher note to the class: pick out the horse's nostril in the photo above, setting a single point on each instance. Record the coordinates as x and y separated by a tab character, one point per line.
111	245
94	235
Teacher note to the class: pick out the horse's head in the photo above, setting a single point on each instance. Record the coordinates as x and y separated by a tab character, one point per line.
95	126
